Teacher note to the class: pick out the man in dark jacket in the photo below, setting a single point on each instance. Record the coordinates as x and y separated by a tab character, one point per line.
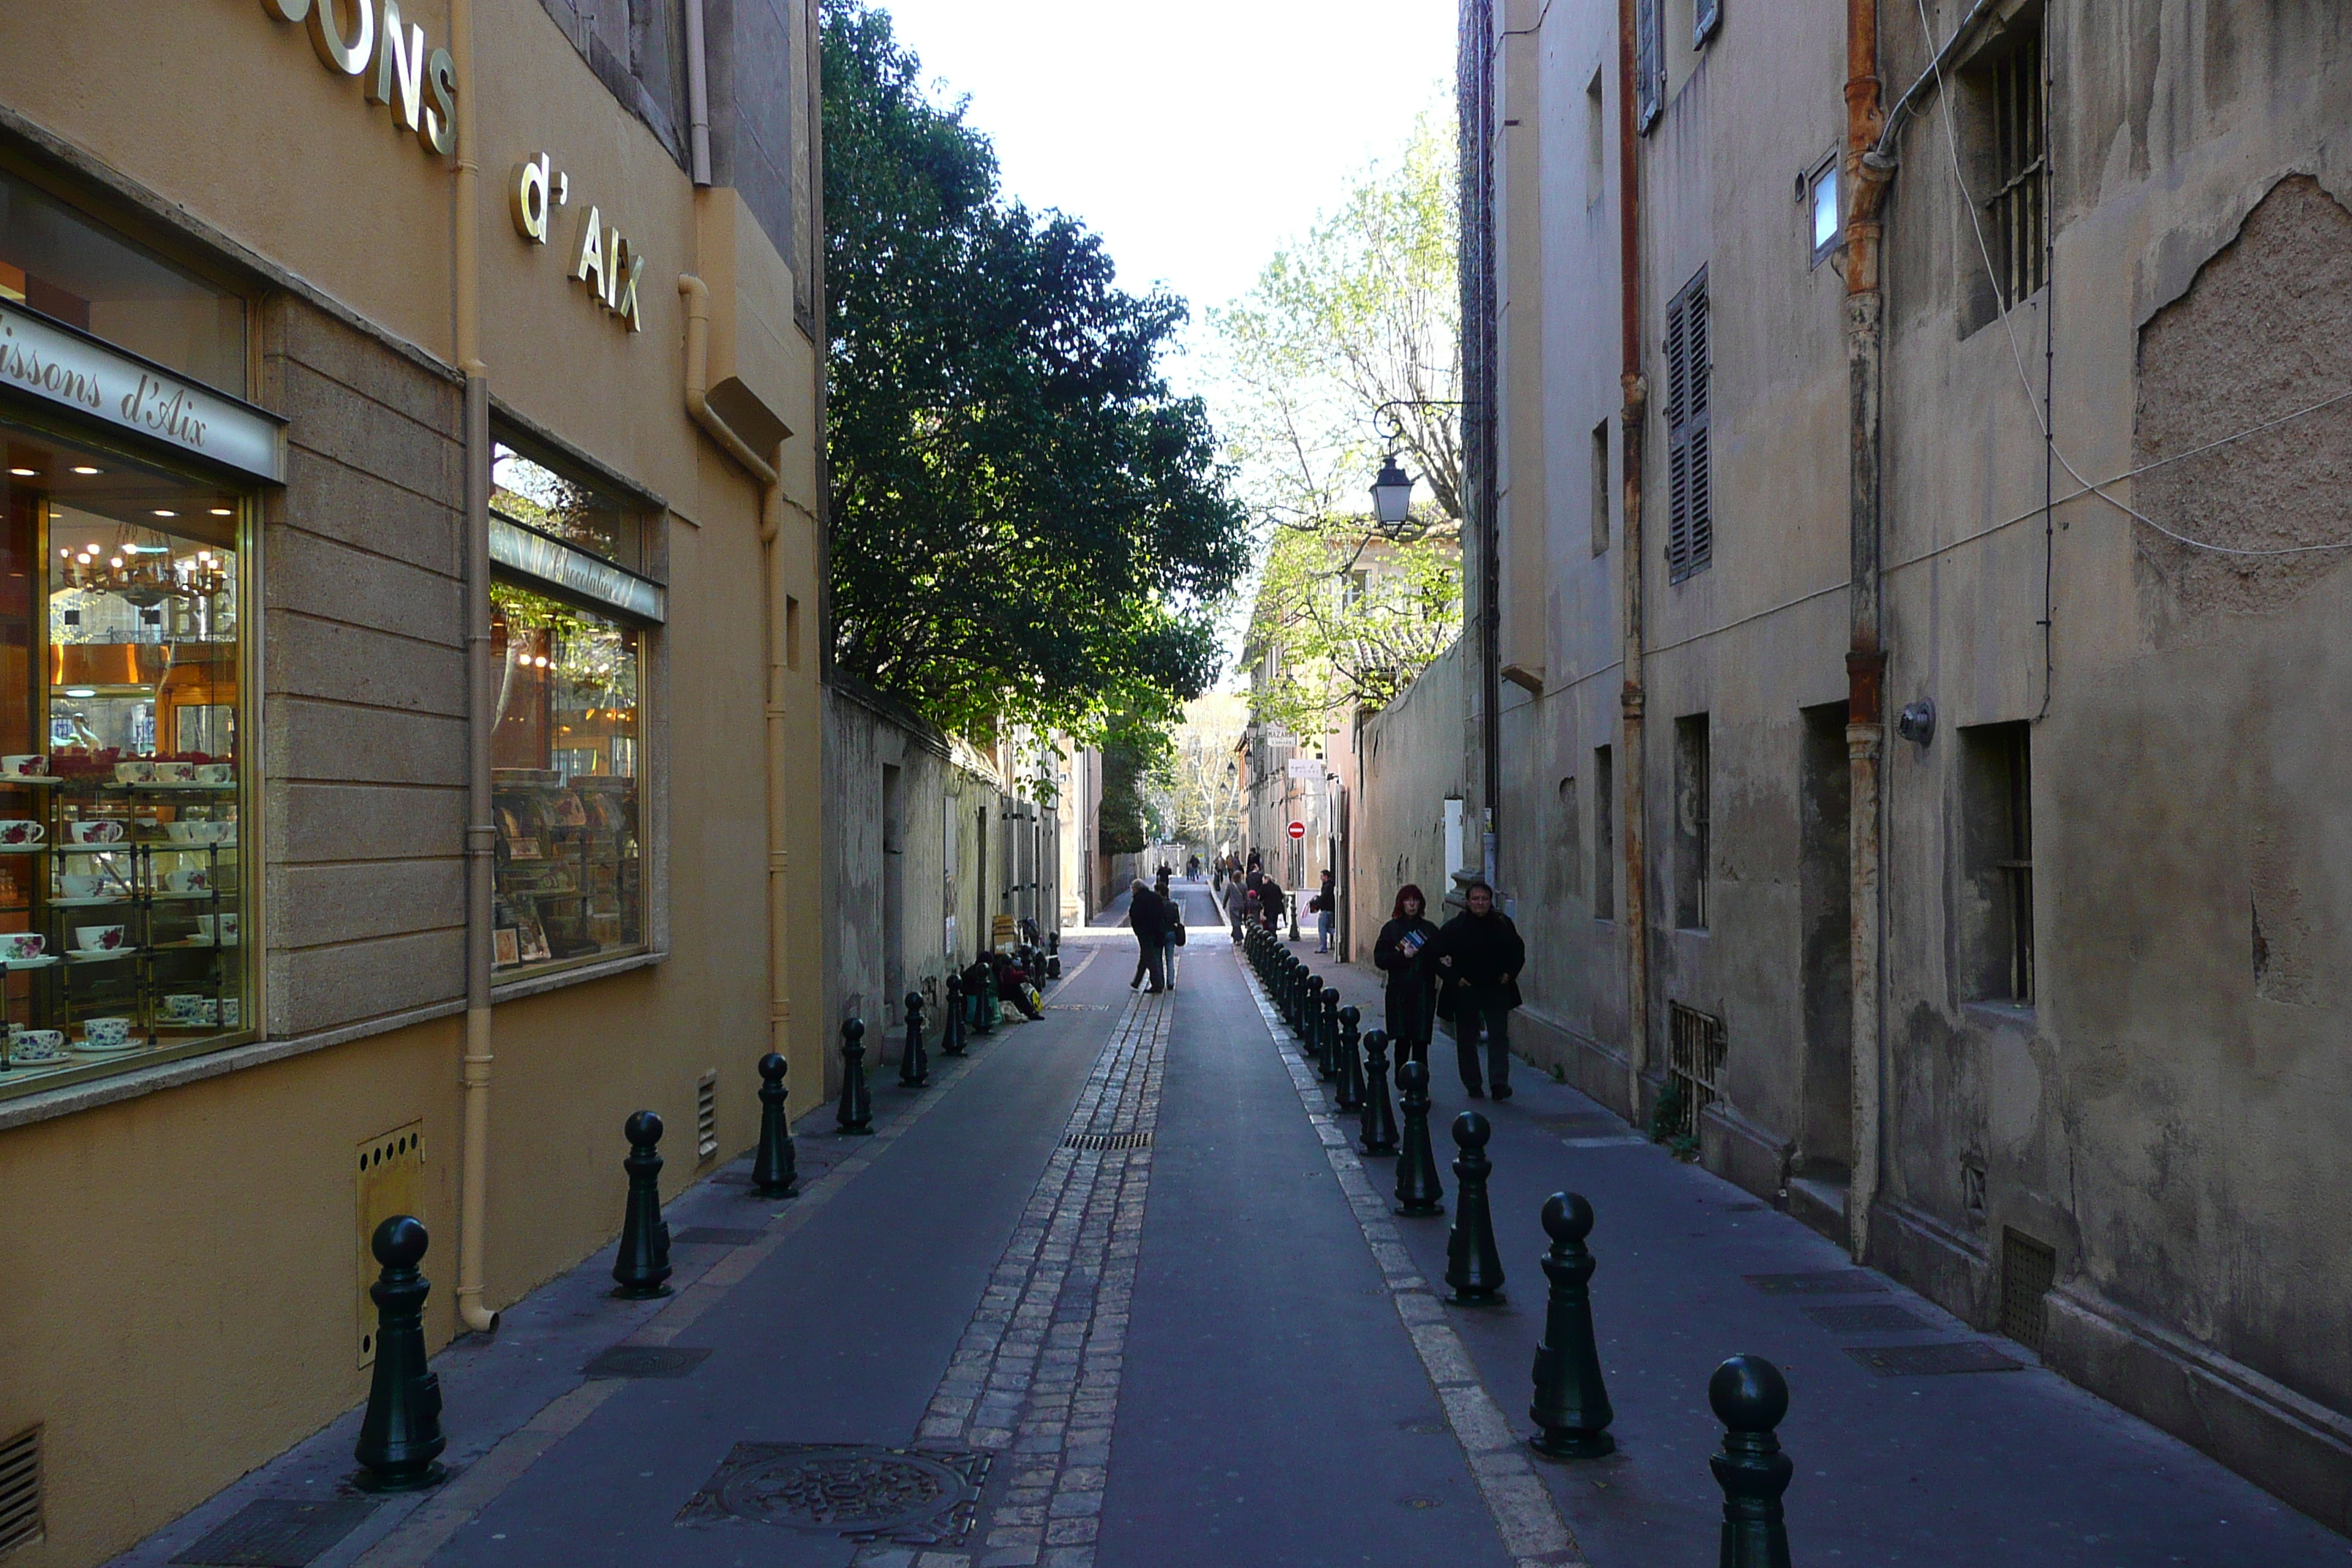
1148	917
1479	954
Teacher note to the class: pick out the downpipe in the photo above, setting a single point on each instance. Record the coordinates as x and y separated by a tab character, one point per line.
1633	700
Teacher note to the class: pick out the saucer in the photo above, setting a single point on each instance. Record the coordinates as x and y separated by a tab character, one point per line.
84	1049
41	962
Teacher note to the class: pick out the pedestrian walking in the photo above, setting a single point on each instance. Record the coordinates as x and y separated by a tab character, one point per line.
1146	916
1192	869
1326	908
1402	954
1479	954
1172	937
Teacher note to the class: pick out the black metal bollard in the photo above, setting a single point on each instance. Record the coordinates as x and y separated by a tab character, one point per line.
775	1169
1750	1396
400	1443
1351	1074
1571	1402
1326	1031
642	1267
1473	1264
951	1029
1053	955
1380	1131
1417	1190
856	1113
914	1066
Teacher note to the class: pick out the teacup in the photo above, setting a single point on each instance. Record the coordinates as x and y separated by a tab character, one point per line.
31	765
134	773
215	772
175	772
97	830
188	879
185	1005
225	1015
221	928
97	938
106	1033
35	1045
21	944
21	830
80	884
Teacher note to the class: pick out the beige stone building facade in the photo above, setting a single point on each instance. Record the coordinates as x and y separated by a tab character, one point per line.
1907	577
411	635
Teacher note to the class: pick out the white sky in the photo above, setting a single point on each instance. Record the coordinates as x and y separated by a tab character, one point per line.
1194	139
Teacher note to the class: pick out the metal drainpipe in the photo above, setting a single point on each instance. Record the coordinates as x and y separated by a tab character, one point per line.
698	97
481	686
1866	657
1632	768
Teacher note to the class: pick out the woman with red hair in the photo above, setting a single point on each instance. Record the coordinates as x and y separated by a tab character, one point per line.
1412	990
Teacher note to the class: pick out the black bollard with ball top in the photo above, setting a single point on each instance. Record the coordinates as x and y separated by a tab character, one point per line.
1473	1264
1750	1396
1347	1095
642	1267
1378	1134
855	1115
951	1026
1418	1191
1571	1404
775	1168
914	1066
1326	1031
401	1441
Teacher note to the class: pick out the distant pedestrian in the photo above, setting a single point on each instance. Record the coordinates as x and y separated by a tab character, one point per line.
1192	869
1478	953
1148	917
1172	937
1327	908
1400	954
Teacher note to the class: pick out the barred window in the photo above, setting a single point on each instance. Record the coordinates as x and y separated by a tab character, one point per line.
2020	205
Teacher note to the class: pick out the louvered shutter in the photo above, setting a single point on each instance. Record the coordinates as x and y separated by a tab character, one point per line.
1677	356
1707	16
1649	61
1698	371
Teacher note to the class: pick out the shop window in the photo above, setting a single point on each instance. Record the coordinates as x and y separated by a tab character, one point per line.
565	764
56	261
121	741
526	488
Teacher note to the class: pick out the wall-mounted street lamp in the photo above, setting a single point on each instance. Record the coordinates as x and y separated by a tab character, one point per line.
1392	497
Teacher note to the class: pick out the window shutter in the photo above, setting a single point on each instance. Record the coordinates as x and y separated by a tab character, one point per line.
1649	61
1707	16
1690	487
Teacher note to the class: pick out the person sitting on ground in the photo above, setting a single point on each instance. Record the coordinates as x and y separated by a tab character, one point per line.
1400	954
1147	918
1480	954
1013	986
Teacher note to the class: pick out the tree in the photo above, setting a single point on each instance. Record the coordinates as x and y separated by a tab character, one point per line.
1345	620
1026	524
1360	316
1135	758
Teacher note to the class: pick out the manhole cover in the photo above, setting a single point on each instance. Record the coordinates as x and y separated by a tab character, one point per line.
274	1534
644	1361
1931	1361
1821	1282
715	1235
1866	1318
924	1499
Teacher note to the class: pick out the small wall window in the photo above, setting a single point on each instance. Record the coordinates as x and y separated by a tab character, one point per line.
1997	851
1604	834
1819	190
1692	835
1596	140
2019	207
1600	461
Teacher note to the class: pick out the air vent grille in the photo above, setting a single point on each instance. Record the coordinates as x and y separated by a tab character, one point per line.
20	1490
706	1115
2028	1269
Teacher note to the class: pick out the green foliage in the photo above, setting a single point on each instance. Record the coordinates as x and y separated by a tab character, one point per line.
1135	763
1026	523
1362	312
1346	620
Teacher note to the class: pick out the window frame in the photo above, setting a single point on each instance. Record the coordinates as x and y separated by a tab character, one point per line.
1808	189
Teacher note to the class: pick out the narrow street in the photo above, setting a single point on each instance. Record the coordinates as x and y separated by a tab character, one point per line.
1210	1342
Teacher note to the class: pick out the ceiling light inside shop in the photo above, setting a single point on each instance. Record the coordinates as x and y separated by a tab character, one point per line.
25	473
85	468
223	511
81	691
165	512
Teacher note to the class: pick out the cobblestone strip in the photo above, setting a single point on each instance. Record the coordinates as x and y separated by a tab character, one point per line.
1036	1377
1525	1515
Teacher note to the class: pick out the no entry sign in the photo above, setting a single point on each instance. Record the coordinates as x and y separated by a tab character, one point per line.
1298	830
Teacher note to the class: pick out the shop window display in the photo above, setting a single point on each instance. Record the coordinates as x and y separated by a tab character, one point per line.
121	704
564	772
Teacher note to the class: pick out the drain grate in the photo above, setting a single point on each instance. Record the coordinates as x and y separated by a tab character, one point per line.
279	1533
644	1361
1107	1141
1819	1282
1931	1361
1868	1317
715	1235
912	1498
2028	1269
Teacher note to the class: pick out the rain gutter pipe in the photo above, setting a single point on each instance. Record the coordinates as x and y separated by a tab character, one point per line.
1635	418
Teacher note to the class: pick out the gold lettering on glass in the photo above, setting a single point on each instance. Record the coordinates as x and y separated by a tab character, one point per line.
438	129
400	69
591	253
526	198
349	54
